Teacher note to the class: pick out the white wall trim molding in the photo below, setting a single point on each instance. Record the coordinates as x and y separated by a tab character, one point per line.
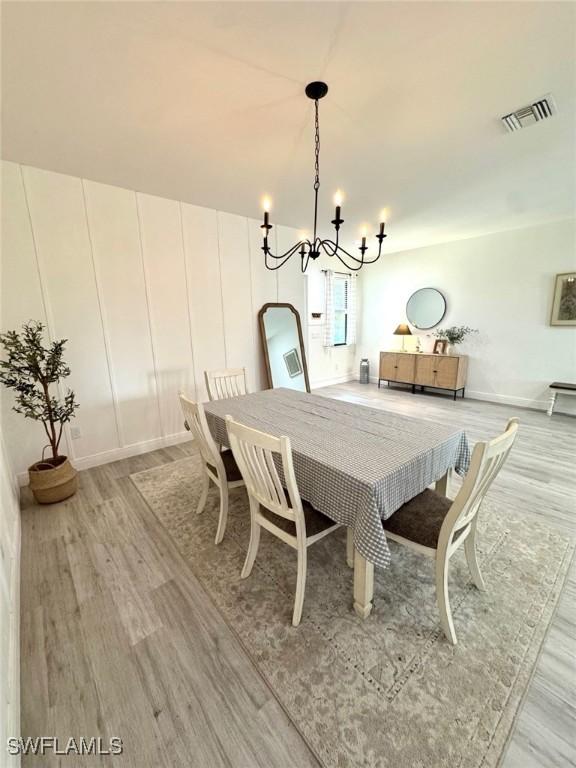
255	340
46	306
219	261
342	379
103	324
146	278
35	247
187	278
519	402
488	397
125	452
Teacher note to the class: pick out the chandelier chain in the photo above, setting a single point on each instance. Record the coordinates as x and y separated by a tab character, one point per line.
317	149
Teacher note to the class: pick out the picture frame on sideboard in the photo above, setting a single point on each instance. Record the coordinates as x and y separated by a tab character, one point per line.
440	346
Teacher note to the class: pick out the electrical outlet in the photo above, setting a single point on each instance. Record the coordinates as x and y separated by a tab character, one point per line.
75	433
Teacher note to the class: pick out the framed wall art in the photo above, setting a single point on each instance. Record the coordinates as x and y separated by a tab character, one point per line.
564	300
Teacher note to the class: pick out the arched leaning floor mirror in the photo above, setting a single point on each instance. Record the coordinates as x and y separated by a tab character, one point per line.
283	346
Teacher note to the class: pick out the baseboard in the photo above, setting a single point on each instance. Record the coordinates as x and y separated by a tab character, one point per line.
105	457
492	397
318	383
518	402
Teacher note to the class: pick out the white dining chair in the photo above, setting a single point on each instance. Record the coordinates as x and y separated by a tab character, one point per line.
220	468
436	526
227	382
293	520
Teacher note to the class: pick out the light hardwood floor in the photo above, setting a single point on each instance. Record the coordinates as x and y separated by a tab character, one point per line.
120	639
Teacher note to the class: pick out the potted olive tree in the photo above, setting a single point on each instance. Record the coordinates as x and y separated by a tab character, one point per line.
31	370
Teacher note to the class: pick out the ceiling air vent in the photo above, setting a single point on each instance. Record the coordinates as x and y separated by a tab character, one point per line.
541	109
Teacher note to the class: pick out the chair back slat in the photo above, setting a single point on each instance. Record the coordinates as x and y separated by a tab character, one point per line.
196	420
487	460
225	383
254	452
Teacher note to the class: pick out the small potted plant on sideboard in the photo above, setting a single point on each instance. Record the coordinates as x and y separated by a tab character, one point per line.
31	369
454	335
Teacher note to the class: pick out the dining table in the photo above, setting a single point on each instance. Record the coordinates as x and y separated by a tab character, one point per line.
355	464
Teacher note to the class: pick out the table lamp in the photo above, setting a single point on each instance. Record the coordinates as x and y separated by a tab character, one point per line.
403	330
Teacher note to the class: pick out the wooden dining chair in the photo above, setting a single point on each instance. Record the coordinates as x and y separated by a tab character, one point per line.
220	468
227	382
436	526
281	512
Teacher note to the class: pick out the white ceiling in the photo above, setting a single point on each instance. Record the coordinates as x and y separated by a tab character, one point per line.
203	102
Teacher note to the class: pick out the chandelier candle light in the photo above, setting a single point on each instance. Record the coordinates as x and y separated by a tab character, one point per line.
311	248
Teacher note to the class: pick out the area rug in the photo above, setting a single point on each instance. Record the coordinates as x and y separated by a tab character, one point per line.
388	691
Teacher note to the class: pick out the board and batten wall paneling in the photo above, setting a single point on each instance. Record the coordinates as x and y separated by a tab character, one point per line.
239	338
21	301
291	281
58	215
264	290
21	295
200	232
115	236
165	273
149	292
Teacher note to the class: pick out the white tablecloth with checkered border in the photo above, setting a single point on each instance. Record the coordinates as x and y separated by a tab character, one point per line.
356	465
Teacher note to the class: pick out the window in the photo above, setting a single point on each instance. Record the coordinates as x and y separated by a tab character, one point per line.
340	300
340	324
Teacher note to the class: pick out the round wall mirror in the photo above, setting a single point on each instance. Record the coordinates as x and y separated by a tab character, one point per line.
425	308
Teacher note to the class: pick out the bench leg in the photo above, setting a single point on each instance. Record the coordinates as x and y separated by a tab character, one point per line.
552	403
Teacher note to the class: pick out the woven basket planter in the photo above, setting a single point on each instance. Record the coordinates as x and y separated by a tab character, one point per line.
53	480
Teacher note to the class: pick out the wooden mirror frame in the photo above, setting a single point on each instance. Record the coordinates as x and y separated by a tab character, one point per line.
262	328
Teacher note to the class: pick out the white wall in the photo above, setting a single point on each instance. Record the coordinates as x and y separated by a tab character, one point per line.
327	365
501	284
150	292
9	606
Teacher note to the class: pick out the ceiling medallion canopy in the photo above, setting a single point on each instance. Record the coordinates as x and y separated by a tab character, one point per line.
312	248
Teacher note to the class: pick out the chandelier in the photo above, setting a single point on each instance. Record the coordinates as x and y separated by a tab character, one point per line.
312	248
